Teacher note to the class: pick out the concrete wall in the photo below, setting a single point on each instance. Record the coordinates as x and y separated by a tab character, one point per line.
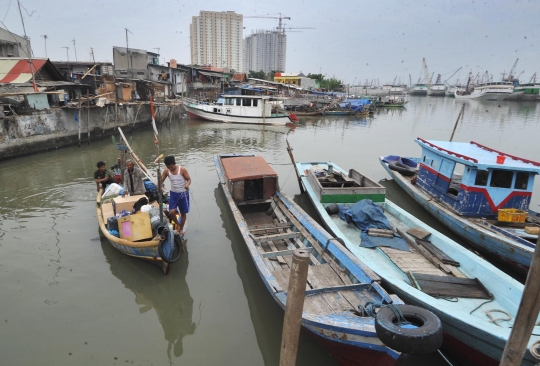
8	45
55	128
138	61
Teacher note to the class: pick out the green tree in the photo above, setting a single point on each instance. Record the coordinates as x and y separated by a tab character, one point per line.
257	74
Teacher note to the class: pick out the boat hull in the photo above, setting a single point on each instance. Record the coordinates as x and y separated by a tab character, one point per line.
472	343
514	255
483	96
195	113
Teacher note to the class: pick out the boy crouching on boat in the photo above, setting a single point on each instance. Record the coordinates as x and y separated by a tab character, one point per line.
179	194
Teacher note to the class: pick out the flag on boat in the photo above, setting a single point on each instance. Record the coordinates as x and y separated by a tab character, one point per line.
154	121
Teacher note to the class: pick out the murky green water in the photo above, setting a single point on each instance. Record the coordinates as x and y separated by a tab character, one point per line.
69	298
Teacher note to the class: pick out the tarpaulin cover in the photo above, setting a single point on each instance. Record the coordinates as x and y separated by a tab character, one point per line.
168	245
354	104
367	215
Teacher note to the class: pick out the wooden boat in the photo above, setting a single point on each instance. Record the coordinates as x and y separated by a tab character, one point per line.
273	226
308	113
392	104
476	302
161	250
340	113
463	186
253	109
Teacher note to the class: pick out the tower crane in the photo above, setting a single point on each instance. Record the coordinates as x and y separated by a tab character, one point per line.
427	79
280	26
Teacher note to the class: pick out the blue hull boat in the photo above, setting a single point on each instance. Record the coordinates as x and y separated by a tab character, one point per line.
467	187
273	226
476	323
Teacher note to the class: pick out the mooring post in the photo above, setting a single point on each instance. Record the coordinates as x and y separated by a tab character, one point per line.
526	316
294	307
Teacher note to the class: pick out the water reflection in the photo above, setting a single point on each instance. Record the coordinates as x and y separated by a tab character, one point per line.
168	295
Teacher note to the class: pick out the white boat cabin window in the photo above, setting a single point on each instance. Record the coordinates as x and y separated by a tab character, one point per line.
229	101
238	101
522	180
481	178
246	102
255	102
501	178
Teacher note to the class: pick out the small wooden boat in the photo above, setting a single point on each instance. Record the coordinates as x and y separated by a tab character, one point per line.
253	109
339	113
273	226
393	104
476	302
465	188
165	247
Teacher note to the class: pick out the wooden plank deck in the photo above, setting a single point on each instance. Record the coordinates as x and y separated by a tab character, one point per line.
319	275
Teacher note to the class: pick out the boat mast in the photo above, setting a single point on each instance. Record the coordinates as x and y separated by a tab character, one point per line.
29	53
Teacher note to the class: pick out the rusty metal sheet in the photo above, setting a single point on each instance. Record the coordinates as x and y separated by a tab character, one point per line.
247	167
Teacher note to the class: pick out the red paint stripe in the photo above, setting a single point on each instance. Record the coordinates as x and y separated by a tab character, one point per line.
447	151
22	67
535	163
485	192
432	171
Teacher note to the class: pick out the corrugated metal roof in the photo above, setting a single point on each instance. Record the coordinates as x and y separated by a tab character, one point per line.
17	71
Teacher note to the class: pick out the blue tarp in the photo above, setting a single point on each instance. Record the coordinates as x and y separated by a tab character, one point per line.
354	104
367	215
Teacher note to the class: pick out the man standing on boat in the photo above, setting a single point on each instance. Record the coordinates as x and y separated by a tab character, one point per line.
103	176
133	180
179	194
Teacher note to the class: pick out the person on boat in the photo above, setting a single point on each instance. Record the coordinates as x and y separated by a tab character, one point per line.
179	194
133	180
102	176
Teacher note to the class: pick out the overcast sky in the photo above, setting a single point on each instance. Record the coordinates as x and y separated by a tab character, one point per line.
352	40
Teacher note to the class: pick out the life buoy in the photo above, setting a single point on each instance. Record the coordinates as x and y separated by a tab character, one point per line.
402	169
164	232
425	337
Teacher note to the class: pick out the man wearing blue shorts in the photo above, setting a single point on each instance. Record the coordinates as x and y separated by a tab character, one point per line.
179	194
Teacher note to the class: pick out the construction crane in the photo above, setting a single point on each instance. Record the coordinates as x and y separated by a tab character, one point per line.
451	76
511	73
283	28
280	26
427	79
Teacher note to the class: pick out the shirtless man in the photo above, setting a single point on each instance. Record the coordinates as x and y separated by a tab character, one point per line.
179	194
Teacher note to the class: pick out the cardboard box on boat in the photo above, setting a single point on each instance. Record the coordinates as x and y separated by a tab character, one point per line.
125	203
107	210
135	227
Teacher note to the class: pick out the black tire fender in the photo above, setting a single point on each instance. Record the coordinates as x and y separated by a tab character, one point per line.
426	338
332	209
402	169
177	244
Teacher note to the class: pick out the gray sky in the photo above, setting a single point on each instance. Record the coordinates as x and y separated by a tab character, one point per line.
352	40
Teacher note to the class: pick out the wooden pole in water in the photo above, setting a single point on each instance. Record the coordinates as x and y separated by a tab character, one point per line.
526	316
289	150
457	120
293	309
88	117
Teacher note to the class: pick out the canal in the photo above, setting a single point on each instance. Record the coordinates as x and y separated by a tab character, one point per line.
68	297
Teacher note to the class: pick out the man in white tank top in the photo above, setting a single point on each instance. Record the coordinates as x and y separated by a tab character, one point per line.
179	194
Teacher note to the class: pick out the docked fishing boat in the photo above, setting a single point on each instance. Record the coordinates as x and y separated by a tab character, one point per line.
451	91
254	109
419	89
344	112
339	285
530	91
476	302
487	91
393	103
481	194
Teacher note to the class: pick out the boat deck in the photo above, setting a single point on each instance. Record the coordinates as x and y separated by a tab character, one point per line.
401	262
323	272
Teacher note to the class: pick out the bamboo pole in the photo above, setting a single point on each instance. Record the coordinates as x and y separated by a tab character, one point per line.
457	120
88	118
293	310
527	314
289	150
106	117
138	161
80	120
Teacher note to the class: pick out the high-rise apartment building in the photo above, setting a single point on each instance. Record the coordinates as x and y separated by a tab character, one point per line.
265	50
216	39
